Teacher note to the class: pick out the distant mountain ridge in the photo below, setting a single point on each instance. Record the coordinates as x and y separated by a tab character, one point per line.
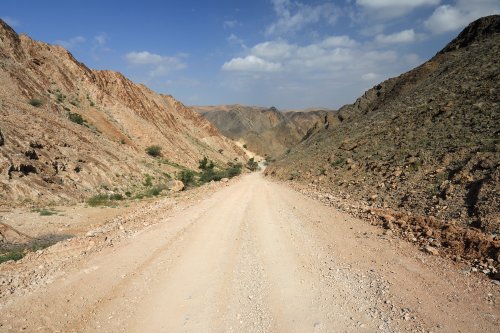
266	131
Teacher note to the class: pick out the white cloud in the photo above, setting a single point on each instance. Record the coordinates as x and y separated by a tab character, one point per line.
159	65
71	43
230	23
101	39
448	18
392	8
273	50
236	40
339	41
369	76
405	36
294	16
251	63
11	21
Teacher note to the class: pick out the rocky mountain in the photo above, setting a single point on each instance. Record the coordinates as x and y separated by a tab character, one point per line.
266	131
425	143
68	131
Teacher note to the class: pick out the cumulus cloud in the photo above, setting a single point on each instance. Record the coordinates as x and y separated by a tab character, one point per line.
333	54
159	65
405	36
294	16
339	41
448	18
251	63
393	8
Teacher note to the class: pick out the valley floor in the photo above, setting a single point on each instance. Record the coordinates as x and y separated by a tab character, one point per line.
256	256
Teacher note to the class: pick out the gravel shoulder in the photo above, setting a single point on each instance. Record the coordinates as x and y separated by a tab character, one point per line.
253	256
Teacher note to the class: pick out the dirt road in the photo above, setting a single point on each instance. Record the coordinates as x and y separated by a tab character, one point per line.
257	256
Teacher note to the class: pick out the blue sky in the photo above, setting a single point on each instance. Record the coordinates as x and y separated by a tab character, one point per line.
290	54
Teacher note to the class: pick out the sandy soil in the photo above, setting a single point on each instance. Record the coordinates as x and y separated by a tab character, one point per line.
255	256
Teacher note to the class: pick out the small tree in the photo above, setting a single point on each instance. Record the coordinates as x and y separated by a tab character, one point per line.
206	164
154	151
186	176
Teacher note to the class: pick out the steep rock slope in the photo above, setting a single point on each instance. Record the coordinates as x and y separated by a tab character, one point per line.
67	130
266	131
426	142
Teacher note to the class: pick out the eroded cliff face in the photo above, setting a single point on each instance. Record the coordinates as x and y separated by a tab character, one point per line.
68	131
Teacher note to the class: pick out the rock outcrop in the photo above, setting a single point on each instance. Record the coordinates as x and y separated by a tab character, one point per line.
425	142
68	131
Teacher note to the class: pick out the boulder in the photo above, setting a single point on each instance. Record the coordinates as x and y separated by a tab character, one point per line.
175	185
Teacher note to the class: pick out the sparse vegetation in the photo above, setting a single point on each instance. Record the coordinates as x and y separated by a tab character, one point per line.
76	118
154	150
36	102
252	165
99	200
148	182
337	162
60	97
46	211
75	102
187	177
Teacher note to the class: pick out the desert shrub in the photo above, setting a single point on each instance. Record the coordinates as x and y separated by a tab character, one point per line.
11	255
76	118
116	196
154	191
206	164
245	146
234	170
337	162
252	165
60	96
186	176
148	181
98	200
36	102
154	151
75	102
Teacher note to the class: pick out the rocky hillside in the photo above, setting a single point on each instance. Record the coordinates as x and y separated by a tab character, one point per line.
425	143
266	131
67	131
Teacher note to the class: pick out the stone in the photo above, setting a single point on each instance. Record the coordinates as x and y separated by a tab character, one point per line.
431	250
175	185
224	180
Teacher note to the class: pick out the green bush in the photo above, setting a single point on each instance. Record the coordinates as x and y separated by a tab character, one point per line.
234	170
116	196
36	102
148	182
76	118
206	164
11	255
60	96
252	165
186	176
98	200
154	151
